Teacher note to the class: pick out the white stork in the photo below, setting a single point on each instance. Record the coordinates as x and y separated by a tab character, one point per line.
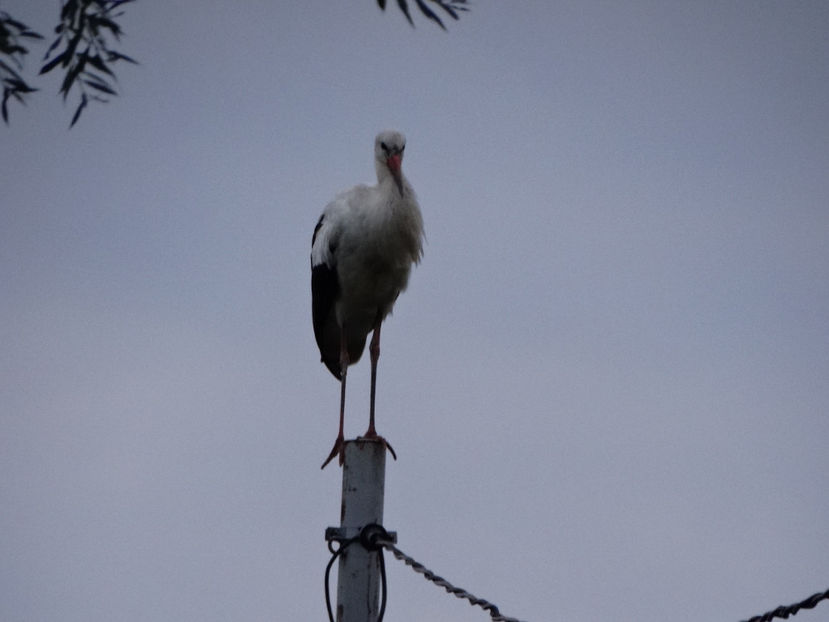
362	252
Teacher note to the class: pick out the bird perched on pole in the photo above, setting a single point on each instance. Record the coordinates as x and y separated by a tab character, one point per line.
362	252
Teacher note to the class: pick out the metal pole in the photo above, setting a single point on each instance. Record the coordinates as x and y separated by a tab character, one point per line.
358	578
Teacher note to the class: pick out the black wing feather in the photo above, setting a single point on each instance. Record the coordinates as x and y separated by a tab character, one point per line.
325	289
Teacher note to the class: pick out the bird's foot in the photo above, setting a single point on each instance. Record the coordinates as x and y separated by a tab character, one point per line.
339	448
371	435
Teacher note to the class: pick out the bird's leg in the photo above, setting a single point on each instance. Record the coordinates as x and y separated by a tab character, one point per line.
374	352
339	444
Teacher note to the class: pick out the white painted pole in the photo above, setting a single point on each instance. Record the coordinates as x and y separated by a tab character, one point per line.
358	578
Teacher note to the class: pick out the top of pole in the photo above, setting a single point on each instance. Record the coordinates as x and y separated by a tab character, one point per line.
364	478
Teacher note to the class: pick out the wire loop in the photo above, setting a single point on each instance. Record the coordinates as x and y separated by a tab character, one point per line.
368	537
344	544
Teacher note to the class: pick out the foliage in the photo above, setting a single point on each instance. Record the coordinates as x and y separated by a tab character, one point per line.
82	50
14	86
450	6
86	57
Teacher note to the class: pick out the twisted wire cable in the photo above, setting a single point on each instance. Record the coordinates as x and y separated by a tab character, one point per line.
786	611
458	592
374	537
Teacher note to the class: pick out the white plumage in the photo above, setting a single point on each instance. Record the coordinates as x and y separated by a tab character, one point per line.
362	252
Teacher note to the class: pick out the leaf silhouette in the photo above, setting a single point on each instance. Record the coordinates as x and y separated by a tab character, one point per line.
100	86
79	110
404	6
450	6
57	60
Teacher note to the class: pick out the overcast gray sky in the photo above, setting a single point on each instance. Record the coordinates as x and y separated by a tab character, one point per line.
607	383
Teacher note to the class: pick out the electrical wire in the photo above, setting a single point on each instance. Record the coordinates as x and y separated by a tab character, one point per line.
375	538
785	612
335	554
380	537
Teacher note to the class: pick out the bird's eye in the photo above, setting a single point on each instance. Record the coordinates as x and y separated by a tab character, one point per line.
402	148
384	147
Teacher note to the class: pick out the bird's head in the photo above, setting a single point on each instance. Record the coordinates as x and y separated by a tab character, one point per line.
388	156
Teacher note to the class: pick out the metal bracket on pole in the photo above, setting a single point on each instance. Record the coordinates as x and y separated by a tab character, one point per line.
338	534
358	574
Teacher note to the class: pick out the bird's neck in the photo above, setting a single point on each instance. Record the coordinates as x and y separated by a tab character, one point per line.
383	172
386	181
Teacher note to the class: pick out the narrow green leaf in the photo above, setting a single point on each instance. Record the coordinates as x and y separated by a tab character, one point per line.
72	46
52	47
405	8
113	56
57	60
114	28
19	85
101	86
78	110
9	70
5	110
68	9
429	13
71	75
13	22
99	64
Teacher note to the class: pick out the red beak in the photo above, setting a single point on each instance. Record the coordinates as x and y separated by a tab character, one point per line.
393	163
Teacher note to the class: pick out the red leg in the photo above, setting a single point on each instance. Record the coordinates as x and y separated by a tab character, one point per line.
374	352
339	447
